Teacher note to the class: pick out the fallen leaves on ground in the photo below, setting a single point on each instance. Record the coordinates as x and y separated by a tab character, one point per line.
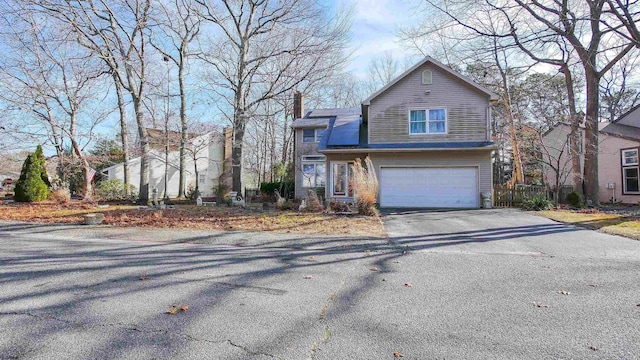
407	285
563	292
175	309
397	354
144	277
593	348
198	218
616	224
540	305
308	277
374	269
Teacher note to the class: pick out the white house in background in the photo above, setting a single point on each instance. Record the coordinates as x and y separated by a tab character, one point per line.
212	157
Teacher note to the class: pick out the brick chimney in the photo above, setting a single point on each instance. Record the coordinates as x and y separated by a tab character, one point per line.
298	105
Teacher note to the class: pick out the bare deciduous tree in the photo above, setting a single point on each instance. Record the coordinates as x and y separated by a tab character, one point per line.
266	48
116	32
49	77
599	32
179	27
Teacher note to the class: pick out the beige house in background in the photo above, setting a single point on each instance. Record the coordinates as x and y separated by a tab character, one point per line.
618	161
427	133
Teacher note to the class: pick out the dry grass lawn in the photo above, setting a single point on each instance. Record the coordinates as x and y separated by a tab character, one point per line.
627	226
199	218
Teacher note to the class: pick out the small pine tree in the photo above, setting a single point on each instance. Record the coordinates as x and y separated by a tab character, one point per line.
43	165
31	186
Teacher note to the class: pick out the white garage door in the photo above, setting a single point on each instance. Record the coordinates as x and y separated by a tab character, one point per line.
429	187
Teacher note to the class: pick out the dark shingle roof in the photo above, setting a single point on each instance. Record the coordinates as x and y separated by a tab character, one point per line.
625	131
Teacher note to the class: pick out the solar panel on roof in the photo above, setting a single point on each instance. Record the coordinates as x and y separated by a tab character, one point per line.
346	132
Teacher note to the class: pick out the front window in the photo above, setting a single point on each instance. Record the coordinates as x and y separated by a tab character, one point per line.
629	157
308	135
427	77
312	135
429	121
314	171
342	176
202	178
631	180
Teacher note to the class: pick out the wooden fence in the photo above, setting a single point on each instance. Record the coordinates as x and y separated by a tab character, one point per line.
506	196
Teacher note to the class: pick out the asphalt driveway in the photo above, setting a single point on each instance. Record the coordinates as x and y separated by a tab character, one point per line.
482	284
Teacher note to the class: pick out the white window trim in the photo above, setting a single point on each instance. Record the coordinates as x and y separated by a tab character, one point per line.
315	163
624	179
314	158
624	159
316	136
426	110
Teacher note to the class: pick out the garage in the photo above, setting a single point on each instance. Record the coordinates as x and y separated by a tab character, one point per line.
442	187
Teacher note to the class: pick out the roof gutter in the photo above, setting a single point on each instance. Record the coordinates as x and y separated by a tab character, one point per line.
369	150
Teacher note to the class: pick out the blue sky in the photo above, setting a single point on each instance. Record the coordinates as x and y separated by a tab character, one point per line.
374	26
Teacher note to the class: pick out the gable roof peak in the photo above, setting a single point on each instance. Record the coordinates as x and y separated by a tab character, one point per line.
429	59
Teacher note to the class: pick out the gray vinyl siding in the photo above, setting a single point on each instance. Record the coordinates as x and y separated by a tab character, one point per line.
480	159
466	109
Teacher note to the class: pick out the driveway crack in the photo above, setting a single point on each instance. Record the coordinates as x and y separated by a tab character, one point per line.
135	328
245	349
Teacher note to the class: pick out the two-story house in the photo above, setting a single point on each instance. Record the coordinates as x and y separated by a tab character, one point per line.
427	133
618	157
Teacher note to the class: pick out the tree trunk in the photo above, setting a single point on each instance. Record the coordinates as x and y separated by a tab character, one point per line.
183	122
236	152
574	122
123	134
166	156
516	173
591	136
143	197
195	171
86	168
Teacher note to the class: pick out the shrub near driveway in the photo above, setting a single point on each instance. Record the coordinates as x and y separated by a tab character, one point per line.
615	224
200	218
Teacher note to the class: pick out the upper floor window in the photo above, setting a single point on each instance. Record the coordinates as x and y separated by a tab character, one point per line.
568	143
202	178
630	157
427	77
630	172
312	135
428	121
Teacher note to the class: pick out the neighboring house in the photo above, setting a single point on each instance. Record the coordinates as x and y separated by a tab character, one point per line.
8	180
427	133
212	154
618	145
